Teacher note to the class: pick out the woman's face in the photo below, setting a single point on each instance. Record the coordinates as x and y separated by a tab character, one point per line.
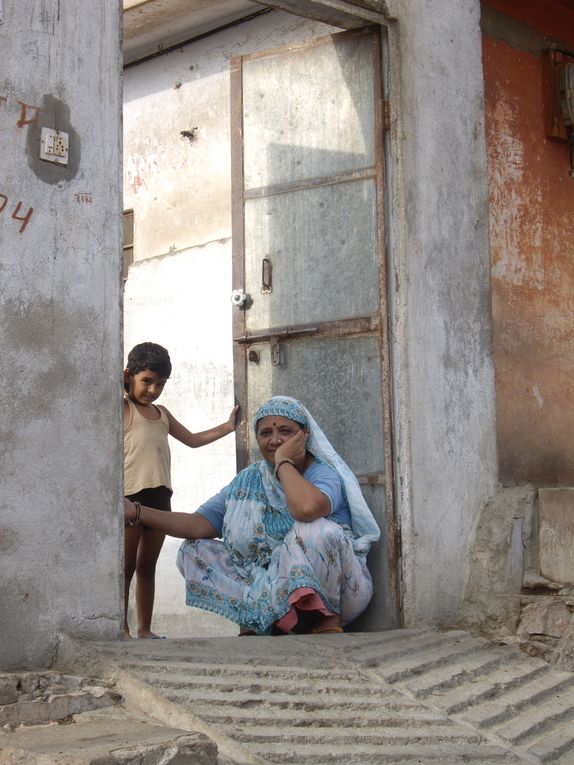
272	431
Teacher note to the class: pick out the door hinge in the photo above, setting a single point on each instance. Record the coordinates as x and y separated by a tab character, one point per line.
386	115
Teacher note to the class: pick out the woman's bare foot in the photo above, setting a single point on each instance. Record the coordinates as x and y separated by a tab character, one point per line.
149	635
127	635
327	624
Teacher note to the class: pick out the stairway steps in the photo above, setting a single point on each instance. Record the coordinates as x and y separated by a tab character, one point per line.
200	670
530	697
426	660
109	741
473	668
246	683
336	718
557	748
404	649
383	735
446	754
297	701
537	723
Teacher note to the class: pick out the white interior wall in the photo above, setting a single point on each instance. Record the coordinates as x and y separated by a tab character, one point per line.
178	290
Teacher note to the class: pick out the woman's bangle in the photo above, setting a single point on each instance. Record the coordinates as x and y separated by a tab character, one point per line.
136	520
282	462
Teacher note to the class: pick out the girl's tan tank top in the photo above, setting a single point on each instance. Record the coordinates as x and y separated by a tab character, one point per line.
147	459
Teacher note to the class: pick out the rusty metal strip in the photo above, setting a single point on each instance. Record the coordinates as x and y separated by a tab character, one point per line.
307	45
338	13
238	251
372	479
343	327
311	183
393	540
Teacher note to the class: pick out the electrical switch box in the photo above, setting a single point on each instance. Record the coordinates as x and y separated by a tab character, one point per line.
54	146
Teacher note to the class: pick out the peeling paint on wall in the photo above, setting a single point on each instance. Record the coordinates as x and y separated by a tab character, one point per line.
532	246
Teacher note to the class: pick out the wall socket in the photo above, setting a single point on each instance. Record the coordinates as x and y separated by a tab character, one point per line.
54	146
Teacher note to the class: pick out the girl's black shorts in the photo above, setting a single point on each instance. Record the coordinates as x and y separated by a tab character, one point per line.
158	498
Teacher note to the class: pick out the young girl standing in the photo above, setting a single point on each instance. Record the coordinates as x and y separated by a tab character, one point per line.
147	467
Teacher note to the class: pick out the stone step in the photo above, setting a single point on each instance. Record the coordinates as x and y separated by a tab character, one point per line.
487	690
153	669
489	660
106	742
535	725
257	684
34	698
402	648
337	718
534	696
426	658
557	748
368	754
335	737
297	701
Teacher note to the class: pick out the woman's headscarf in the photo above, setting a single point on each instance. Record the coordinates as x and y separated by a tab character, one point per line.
364	525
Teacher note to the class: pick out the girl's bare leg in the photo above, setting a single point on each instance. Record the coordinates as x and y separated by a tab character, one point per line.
148	552
132	538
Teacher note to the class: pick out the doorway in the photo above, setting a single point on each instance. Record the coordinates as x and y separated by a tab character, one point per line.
315	285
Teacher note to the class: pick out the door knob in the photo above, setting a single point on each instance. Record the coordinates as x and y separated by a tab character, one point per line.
238	298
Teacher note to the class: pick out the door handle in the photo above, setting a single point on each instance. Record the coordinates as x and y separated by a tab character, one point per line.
266	276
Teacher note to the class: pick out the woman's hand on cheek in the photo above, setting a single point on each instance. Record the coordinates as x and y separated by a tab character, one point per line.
293	449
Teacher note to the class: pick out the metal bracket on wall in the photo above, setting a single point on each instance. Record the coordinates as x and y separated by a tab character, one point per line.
554	61
266	276
275	352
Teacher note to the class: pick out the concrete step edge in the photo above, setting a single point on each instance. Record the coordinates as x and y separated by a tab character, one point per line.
485	693
402	672
451	678
112	740
515	701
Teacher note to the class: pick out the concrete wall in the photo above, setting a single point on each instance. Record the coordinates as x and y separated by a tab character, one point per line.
532	236
441	313
60	332
178	290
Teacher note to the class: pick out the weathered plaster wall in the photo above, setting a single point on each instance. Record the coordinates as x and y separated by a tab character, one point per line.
60	330
532	238
178	290
439	256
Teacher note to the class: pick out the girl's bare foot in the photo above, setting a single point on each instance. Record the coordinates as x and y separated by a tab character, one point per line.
127	635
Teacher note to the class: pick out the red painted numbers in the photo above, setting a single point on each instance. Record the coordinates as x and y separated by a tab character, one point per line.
16	212
29	115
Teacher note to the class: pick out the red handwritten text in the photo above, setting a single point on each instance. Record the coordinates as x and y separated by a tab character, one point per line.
16	213
29	115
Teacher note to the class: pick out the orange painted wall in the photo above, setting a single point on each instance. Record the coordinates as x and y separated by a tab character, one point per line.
532	257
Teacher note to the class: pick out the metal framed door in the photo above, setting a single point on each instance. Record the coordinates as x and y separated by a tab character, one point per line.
309	271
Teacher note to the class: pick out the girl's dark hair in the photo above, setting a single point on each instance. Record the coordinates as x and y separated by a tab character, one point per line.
149	356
